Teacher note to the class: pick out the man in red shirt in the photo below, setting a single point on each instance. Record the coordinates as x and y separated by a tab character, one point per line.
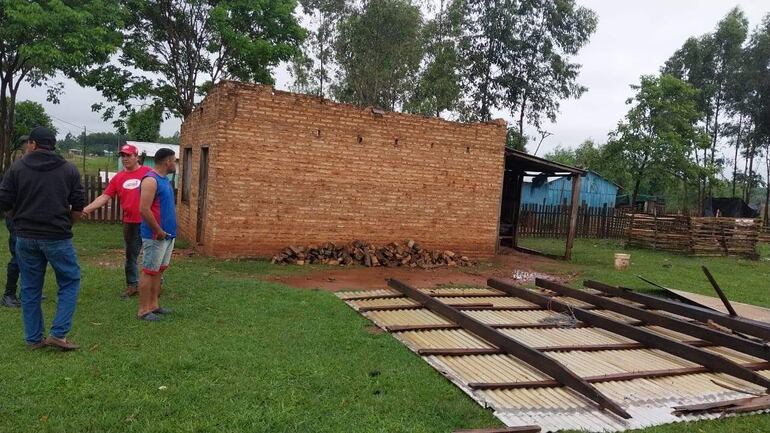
126	185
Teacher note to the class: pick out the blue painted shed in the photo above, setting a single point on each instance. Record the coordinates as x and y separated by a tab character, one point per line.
595	190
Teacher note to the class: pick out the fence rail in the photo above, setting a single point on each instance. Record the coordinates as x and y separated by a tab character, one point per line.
549	221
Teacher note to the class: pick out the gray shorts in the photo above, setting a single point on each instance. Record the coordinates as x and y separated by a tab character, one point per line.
157	255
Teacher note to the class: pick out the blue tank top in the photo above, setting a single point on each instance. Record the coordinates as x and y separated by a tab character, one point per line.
163	207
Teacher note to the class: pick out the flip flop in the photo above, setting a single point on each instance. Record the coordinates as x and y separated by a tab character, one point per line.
149	317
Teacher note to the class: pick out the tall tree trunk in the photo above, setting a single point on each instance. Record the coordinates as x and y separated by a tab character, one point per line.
638	182
486	90
750	177
737	148
321	57
714	139
522	110
699	198
767	185
4	130
9	119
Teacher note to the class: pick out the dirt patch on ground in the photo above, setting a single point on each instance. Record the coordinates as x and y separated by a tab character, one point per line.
510	264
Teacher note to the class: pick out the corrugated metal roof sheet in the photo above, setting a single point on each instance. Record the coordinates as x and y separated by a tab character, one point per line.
648	400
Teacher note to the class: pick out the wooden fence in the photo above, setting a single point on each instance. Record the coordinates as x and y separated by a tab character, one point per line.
536	220
95	186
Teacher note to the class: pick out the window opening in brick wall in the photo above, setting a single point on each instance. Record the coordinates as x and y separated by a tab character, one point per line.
186	173
318	133
360	139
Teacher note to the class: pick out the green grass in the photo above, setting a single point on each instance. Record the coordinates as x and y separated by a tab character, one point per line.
742	279
94	164
239	355
245	355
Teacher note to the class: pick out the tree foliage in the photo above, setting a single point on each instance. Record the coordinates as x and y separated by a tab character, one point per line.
518	56
312	69
41	39
711	63
29	115
144	125
174	50
378	53
659	134
438	88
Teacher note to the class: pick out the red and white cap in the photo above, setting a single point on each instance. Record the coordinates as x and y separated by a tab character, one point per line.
128	150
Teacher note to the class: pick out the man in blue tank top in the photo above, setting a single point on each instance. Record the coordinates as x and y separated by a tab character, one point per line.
158	231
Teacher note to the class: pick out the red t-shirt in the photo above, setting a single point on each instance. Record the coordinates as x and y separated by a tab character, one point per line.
126	185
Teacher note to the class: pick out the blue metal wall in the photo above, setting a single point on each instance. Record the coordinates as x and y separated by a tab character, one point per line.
594	190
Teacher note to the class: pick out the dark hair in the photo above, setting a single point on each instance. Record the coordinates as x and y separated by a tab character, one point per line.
162	155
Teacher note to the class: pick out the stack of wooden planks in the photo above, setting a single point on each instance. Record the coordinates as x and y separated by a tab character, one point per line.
724	236
669	232
701	236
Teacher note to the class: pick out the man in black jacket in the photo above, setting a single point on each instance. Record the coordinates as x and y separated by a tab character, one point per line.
45	195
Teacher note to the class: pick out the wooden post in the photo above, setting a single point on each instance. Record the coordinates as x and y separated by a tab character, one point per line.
100	212
518	178
573	216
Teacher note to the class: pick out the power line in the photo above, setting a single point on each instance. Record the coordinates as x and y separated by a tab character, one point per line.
68	123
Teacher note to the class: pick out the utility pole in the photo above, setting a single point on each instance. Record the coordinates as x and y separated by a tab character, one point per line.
84	151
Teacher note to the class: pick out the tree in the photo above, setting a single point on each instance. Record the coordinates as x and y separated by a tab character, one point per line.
311	69
29	115
755	105
518	56
175	50
588	155
378	52
41	39
144	125
541	73
438	88
711	64
658	135
513	140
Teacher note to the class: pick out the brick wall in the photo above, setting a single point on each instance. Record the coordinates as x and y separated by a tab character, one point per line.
294	169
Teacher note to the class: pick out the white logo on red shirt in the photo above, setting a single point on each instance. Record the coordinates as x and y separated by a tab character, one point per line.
131	184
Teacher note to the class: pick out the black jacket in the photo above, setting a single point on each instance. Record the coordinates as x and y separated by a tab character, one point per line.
41	189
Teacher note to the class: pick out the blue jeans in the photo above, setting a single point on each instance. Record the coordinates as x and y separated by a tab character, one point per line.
33	256
12	271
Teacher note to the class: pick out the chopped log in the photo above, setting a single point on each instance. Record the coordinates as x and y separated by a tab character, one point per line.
407	253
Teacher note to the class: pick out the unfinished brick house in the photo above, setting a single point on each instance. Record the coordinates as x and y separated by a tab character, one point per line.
262	169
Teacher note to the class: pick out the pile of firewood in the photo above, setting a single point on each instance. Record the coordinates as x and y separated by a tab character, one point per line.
407	253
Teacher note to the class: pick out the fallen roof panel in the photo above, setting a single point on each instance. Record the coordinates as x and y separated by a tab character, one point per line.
648	400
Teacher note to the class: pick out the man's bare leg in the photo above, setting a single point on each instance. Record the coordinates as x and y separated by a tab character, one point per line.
156	279
145	294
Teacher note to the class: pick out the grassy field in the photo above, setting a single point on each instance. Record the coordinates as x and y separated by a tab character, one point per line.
239	355
741	279
244	355
94	164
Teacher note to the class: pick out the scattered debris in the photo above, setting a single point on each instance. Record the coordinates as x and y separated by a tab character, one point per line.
526	276
741	405
407	253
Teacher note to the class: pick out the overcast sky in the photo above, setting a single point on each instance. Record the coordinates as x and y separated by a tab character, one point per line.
633	38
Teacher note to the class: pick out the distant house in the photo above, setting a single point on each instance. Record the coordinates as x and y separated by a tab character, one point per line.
595	190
